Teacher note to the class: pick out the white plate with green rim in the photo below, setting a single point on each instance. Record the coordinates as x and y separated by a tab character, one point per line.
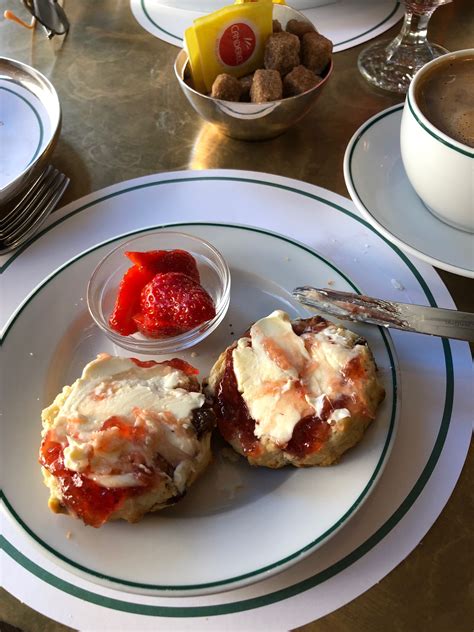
426	458
30	121
198	545
379	187
347	23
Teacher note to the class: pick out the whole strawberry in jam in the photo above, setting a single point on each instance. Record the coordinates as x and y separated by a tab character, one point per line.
173	303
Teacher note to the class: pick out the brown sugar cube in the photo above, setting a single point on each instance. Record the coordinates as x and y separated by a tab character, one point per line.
226	87
282	52
300	27
277	28
245	85
315	51
266	86
299	80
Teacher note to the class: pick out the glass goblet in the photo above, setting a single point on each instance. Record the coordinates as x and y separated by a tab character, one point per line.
391	65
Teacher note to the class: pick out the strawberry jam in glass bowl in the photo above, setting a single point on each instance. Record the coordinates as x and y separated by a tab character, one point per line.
104	284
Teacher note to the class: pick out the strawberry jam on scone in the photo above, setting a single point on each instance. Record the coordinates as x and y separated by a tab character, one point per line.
127	438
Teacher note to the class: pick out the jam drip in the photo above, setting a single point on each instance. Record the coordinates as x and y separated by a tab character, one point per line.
175	363
354	370
310	433
233	418
83	497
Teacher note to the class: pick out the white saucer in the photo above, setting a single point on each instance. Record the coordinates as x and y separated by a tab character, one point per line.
380	189
347	23
214	5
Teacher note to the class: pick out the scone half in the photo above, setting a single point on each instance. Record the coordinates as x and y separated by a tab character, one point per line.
295	392
127	438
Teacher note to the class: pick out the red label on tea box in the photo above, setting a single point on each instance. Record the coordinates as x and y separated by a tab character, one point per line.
237	44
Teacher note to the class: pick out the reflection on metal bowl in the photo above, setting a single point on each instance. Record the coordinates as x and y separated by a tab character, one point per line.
251	121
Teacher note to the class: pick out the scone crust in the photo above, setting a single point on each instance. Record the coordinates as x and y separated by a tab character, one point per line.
345	433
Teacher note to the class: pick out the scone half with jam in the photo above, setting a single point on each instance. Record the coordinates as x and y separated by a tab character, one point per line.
127	438
296	392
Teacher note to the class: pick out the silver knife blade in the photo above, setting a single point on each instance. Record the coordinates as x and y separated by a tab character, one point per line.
436	321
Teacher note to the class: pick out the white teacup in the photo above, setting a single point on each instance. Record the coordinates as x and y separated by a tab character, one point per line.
439	167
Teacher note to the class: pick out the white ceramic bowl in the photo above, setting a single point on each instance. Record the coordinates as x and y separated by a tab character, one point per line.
440	169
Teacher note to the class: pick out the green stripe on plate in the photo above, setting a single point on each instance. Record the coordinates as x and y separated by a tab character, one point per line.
160	28
35	112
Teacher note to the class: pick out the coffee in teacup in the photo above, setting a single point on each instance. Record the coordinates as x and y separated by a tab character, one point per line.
437	137
445	95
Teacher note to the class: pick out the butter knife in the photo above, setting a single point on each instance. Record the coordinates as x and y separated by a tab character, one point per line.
436	321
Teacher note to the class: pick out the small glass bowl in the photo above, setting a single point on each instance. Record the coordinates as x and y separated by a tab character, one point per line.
105	280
